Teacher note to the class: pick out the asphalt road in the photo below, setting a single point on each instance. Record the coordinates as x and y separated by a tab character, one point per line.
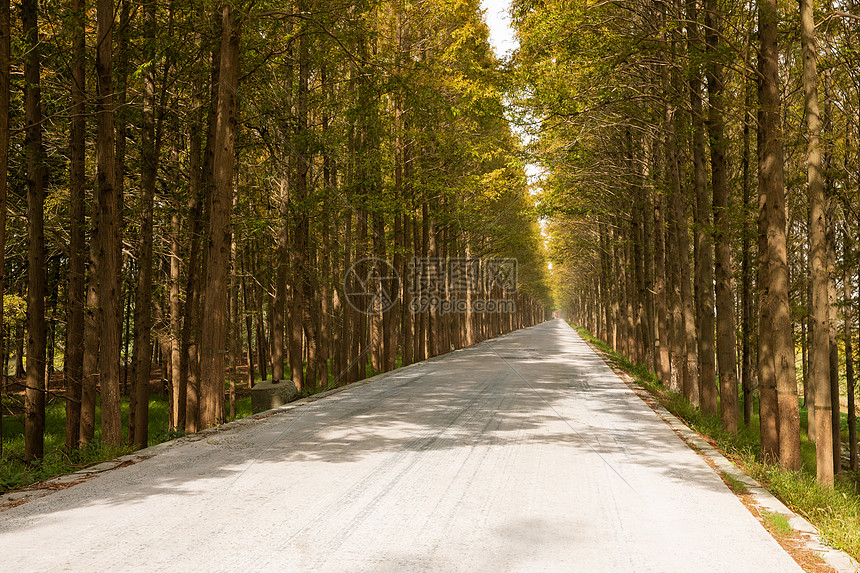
525	453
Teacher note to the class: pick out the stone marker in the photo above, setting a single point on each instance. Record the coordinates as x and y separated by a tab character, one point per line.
271	394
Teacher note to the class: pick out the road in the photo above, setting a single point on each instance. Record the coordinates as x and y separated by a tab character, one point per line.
524	453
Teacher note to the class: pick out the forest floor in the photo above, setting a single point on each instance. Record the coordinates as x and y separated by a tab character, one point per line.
15	473
525	452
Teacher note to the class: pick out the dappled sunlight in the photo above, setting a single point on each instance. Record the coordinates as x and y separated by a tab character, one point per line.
434	444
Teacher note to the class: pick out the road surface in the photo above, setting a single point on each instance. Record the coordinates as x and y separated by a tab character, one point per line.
524	453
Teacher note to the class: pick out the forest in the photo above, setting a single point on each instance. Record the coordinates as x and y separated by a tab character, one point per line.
190	192
702	186
195	196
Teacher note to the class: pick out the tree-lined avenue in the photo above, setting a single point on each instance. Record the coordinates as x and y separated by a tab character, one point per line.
522	453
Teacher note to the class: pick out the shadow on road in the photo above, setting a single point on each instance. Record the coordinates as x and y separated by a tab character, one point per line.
541	385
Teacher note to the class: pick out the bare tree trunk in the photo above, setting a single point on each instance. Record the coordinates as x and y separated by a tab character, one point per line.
704	268
648	264
664	369
778	328
726	337
830	237
235	339
819	375
687	330
746	270
281	282
34	421
77	223
143	303
107	253
833	298
299	257
186	416
248	326
5	57
176	372
848	323
214	320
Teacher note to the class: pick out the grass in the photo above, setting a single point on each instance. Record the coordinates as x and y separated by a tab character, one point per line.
15	472
835	512
777	523
736	485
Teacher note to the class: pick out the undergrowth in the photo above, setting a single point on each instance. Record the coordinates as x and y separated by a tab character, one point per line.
835	512
16	473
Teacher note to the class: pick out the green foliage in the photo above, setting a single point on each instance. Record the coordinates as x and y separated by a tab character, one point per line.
14	472
14	312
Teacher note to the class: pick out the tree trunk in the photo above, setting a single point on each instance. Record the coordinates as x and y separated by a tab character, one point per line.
819	375
704	268
778	328
34	421
830	235
176	373
77	225
214	321
148	174
186	416
281	270
108	249
248	326
746	270
664	369
848	323
726	337
5	58
690	368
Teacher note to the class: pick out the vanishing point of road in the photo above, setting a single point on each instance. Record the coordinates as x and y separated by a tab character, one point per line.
523	453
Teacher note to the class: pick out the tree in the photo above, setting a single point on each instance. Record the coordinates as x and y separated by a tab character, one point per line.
77	228
820	349
108	235
36	334
214	321
777	328
726	327
5	53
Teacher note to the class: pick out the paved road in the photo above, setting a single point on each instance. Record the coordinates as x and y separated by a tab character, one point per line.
525	453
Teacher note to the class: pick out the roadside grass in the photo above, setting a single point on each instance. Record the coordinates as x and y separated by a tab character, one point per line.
736	485
834	512
777	523
15	472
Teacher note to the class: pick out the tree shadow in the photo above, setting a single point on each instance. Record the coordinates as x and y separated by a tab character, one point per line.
533	387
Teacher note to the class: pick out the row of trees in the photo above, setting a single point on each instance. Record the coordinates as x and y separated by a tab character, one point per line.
206	183
654	120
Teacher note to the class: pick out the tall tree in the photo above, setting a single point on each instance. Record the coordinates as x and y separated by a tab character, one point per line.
704	267
777	326
108	235
149	152
214	321
820	348
34	422
77	227
5	57
726	328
